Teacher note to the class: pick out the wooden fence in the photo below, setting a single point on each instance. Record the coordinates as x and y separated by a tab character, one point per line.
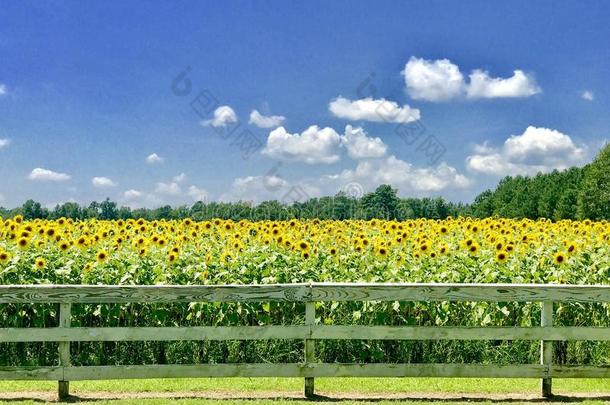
65	295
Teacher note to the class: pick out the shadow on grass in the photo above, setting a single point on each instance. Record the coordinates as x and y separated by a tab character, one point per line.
457	398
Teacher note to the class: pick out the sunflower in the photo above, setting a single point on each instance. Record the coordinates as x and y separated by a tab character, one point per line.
88	267
226	257
501	256
40	263
63	246
473	249
101	256
23	243
559	258
4	256
382	251
571	248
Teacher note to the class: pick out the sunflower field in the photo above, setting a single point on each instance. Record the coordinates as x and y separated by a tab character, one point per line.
461	250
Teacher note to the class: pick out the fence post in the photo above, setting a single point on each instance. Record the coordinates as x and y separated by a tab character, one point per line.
310	350
546	349
64	350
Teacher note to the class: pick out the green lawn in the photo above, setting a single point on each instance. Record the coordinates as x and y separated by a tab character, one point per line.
331	385
334	387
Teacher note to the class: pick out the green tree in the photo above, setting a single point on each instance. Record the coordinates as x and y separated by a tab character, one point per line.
108	210
594	194
383	203
33	210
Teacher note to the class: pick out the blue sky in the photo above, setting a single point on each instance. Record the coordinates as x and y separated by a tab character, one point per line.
494	89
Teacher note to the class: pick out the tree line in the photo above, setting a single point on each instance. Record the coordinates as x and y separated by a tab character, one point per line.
575	193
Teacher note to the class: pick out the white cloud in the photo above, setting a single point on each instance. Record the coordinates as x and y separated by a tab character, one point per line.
376	110
40	174
132	194
3	89
197	194
536	150
102	182
168	188
179	178
438	80
366	176
256	189
402	175
360	146
266	121
588	95
4	142
169	193
518	85
223	116
314	145
483	149
153	158
441	80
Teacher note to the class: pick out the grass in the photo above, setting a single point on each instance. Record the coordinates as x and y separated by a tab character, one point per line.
330	385
334	387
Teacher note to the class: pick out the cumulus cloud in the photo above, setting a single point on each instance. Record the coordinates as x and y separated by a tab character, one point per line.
518	85
402	175
256	189
197	194
3	89
438	80
4	142
366	176
172	193
40	174
102	182
441	80
375	110
171	188
360	146
132	194
312	146
266	121
223	116
536	150
179	178
587	95
153	158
